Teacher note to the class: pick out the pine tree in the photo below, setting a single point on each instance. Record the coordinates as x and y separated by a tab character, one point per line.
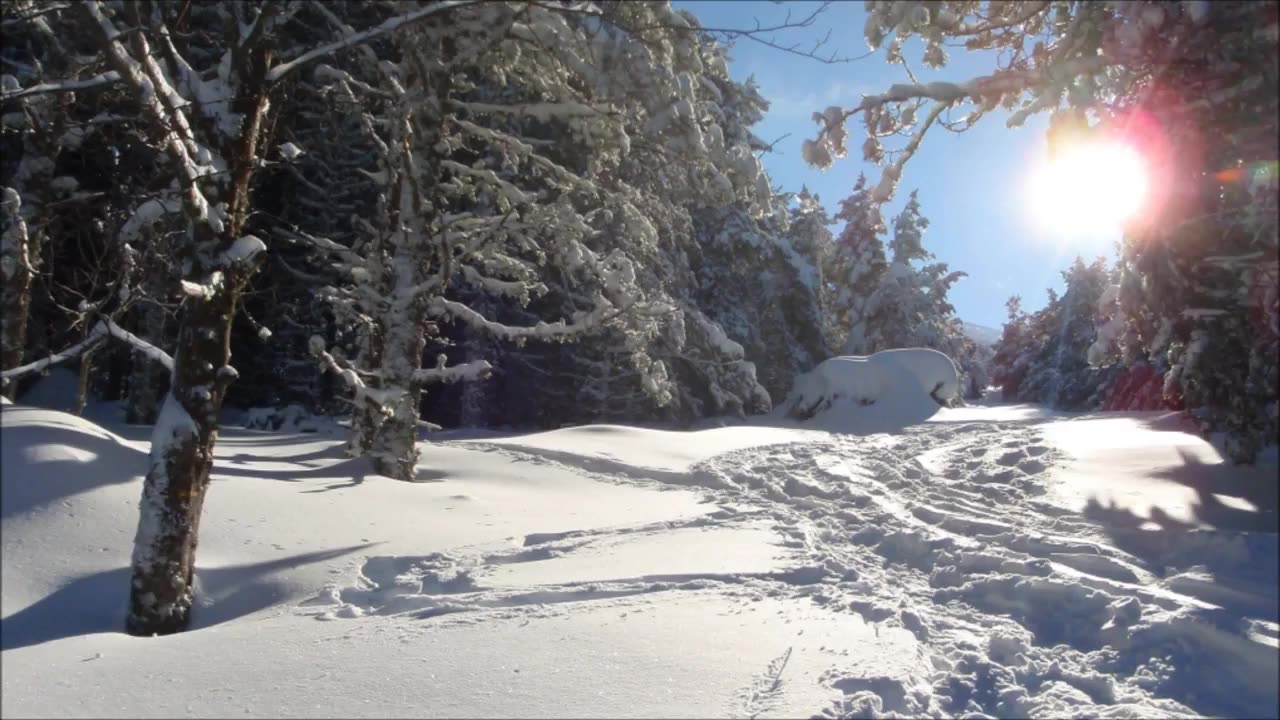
855	270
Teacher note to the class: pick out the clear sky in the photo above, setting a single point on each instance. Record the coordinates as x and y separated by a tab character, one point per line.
973	185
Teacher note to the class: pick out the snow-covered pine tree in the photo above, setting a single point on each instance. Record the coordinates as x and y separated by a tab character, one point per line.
1012	351
757	286
688	150
471	195
854	270
808	228
1054	356
908	306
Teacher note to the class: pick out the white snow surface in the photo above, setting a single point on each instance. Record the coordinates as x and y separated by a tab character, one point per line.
973	563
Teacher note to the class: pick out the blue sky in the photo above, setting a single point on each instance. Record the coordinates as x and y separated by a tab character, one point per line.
972	185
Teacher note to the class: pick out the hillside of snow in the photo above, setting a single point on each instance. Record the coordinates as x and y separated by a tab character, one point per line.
999	560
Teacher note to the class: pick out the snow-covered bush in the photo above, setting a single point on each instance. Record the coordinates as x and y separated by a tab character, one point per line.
874	393
934	371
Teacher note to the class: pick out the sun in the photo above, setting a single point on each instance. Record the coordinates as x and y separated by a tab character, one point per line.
1088	190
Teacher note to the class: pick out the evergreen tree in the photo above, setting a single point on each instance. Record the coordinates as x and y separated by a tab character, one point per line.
855	269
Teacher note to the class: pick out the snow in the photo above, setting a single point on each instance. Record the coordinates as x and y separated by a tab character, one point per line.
243	249
769	568
289	151
875	393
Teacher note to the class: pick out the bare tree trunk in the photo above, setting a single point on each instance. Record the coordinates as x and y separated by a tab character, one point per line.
17	251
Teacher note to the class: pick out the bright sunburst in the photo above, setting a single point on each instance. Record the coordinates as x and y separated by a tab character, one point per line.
1088	190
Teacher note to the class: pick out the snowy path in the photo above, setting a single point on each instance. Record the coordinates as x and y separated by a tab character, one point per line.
741	571
1024	606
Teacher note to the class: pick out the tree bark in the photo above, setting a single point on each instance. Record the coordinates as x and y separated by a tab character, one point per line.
366	415
147	380
181	461
394	444
17	250
82	382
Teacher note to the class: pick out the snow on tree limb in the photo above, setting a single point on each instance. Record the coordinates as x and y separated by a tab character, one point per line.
390	24
245	250
179	141
104	329
94	338
474	370
347	254
11	91
140	345
441	307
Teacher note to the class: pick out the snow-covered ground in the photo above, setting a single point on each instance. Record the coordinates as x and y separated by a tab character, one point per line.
995	560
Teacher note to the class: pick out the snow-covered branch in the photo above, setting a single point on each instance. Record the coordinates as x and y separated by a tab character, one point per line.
11	91
441	307
543	111
325	244
142	346
389	25
330	363
91	341
474	370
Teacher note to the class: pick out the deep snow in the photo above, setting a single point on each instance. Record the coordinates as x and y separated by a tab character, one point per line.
996	560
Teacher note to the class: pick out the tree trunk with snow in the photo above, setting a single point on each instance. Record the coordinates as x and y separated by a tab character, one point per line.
218	263
181	461
147	380
16	253
82	381
366	414
394	445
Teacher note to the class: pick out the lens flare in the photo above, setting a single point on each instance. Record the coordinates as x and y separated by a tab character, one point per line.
1088	190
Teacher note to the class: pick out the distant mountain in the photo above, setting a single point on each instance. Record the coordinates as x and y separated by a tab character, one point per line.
981	334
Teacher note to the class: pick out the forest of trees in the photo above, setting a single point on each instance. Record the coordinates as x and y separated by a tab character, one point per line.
538	213
453	213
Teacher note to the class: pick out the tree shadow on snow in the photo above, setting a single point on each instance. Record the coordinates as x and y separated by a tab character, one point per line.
1255	485
353	471
1238	549
97	603
49	462
334	451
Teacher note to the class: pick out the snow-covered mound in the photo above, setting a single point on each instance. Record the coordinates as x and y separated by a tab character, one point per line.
875	393
934	370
